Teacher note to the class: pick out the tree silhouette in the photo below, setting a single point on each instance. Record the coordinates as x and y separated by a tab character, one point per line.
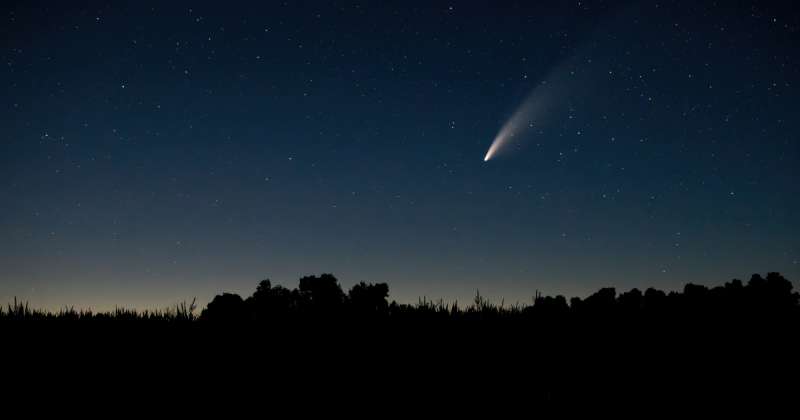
575	303
654	299
369	299
631	300
226	308
602	301
696	297
321	295
772	294
271	303
548	306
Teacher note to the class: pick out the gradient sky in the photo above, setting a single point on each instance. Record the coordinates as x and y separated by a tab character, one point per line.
153	152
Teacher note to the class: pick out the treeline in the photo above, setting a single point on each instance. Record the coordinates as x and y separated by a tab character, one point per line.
710	346
322	299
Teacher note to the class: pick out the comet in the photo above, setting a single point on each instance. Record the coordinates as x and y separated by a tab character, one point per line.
522	121
527	114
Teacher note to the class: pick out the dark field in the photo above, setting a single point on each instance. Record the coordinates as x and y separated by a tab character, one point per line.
721	347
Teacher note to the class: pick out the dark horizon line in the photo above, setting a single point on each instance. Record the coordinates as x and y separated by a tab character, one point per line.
326	289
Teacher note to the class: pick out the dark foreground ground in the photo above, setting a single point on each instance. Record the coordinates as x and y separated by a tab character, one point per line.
315	350
413	368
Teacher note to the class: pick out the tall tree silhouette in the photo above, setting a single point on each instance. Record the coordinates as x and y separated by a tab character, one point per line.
369	299
225	309
653	299
696	297
575	303
270	303
773	294
548	306
631	300
321	295
602	301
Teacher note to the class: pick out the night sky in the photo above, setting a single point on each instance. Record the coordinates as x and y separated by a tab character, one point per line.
153	152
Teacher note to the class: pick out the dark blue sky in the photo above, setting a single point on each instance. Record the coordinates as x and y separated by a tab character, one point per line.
154	152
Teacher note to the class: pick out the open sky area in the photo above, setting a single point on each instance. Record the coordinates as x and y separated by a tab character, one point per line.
152	152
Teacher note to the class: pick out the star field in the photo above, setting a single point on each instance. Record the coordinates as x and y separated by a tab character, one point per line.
153	152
